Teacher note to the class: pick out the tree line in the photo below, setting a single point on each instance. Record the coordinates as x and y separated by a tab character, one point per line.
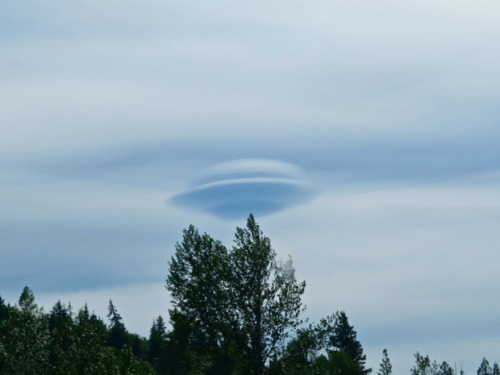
234	311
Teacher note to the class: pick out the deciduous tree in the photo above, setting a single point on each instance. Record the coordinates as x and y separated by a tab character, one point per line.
266	295
232	304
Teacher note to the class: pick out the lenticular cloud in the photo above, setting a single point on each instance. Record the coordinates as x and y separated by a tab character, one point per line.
234	189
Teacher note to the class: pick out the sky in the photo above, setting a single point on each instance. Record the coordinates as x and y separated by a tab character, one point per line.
363	135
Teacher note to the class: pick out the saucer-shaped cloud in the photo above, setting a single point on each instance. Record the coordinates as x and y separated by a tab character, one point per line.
236	188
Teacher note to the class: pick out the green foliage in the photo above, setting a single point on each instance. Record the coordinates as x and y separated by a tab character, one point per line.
235	312
25	338
61	327
484	368
198	282
335	334
232	307
118	335
341	363
266	296
344	340
424	366
58	343
445	369
301	352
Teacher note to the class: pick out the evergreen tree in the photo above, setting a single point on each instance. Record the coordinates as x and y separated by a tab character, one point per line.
25	346
157	341
5	311
484	368
62	345
445	369
496	369
335	334
118	336
385	365
345	340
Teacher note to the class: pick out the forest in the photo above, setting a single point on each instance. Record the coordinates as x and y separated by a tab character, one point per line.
234	311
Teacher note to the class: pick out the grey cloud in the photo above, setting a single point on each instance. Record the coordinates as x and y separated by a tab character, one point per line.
331	157
62	257
236	188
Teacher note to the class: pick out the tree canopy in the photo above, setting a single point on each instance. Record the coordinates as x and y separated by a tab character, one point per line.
235	311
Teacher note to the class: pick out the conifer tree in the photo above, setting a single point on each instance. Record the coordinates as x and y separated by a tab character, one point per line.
117	333
484	368
385	365
495	369
62	345
26	345
445	369
157	337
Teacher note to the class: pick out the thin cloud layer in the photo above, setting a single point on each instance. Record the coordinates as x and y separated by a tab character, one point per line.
233	189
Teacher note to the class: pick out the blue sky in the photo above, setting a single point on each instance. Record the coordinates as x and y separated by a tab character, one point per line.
387	112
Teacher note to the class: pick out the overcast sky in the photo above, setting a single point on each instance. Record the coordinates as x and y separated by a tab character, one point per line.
369	133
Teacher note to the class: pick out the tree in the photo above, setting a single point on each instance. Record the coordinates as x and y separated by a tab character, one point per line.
335	334
62	345
344	339
424	366
496	369
157	344
5	312
266	295
301	352
484	368
117	332
385	365
231	304
157	337
199	285
445	369
25	347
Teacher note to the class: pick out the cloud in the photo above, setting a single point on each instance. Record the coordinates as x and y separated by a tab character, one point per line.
236	188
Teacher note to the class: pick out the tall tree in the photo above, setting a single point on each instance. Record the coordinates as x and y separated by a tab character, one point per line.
62	345
424	365
385	365
26	345
232	303
484	368
445	369
118	335
157	344
337	335
157	336
266	295
199	285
